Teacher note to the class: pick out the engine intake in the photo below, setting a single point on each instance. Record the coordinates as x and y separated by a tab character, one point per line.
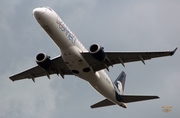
43	61
97	52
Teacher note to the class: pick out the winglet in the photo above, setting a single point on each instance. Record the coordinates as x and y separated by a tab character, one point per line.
172	52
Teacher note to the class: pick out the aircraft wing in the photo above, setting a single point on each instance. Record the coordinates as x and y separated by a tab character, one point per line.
123	57
134	98
58	67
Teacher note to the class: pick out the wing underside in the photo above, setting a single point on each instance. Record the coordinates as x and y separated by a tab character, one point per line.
58	67
113	58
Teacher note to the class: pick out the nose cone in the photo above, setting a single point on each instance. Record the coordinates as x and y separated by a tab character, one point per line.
38	12
44	15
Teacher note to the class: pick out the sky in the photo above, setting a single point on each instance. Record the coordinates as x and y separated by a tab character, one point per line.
131	25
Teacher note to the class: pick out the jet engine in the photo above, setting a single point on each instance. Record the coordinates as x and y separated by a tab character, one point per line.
97	52
43	61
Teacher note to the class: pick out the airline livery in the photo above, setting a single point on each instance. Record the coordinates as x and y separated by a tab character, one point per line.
88	65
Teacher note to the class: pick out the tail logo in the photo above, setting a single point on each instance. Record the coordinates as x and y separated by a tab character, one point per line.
119	85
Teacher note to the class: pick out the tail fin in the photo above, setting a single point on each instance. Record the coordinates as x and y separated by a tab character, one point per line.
120	83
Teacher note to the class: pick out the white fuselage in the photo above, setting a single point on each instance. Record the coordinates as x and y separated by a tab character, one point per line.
71	50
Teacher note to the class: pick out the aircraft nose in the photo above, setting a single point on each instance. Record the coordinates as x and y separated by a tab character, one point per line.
44	15
38	12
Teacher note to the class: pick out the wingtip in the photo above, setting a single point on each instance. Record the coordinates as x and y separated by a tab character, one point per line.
173	52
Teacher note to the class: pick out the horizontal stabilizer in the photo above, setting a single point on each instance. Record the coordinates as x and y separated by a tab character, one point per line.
102	103
134	98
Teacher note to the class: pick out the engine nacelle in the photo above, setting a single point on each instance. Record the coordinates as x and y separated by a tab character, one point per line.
43	61
97	52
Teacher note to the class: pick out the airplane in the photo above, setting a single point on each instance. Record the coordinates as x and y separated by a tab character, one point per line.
88	65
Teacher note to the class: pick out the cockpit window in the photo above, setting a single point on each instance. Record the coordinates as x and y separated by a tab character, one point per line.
49	8
46	8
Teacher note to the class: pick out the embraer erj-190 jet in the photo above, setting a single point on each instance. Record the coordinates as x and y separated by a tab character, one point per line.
86	64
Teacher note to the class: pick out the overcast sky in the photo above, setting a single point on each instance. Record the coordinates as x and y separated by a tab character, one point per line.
131	25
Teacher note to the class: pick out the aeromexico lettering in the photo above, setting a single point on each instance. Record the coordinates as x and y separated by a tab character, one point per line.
66	31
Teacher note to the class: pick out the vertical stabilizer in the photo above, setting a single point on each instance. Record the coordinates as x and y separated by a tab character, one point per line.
120	83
